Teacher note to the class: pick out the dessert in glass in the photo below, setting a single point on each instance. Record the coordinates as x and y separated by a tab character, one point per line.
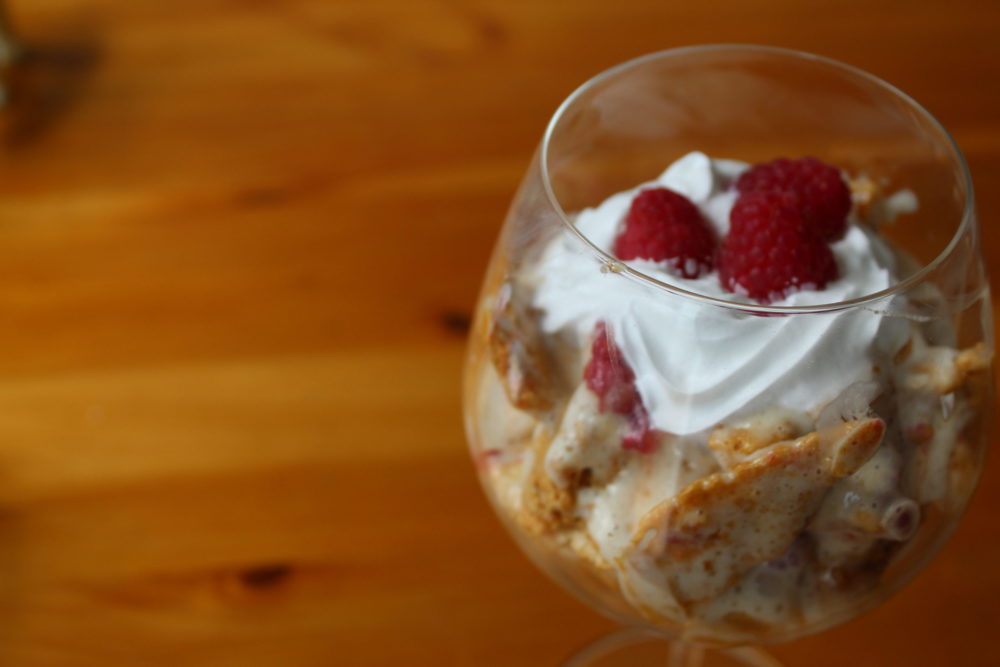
728	380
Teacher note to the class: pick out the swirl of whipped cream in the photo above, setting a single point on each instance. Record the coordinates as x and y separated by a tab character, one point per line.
696	364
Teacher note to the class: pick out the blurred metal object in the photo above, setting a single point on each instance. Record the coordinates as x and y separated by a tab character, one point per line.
8	51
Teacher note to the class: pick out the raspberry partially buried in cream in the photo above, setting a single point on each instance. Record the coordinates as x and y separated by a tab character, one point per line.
695	366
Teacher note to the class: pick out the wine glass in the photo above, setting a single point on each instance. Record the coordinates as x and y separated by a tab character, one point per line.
710	465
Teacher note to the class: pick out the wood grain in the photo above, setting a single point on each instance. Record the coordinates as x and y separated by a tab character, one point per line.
240	240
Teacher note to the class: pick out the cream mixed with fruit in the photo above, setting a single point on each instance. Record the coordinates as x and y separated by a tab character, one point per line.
731	474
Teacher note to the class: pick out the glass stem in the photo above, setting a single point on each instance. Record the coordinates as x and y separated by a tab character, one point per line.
683	654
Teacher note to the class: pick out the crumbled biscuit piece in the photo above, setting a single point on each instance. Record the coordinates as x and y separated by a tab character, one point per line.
973	359
939	368
518	351
864	192
716	529
582	545
546	506
874	207
585	451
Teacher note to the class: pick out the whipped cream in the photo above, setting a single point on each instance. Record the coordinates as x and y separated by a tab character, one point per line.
698	365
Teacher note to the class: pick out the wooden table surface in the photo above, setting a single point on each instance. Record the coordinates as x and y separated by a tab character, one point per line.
240	243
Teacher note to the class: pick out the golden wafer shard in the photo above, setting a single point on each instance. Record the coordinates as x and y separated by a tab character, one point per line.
732	444
716	529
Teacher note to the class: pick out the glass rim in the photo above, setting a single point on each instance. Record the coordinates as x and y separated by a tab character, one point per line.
615	265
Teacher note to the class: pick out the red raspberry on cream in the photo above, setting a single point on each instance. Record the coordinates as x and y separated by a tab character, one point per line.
664	226
770	252
823	198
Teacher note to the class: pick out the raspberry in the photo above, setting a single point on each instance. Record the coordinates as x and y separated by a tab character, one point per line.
611	379
608	375
664	226
770	252
824	200
640	437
